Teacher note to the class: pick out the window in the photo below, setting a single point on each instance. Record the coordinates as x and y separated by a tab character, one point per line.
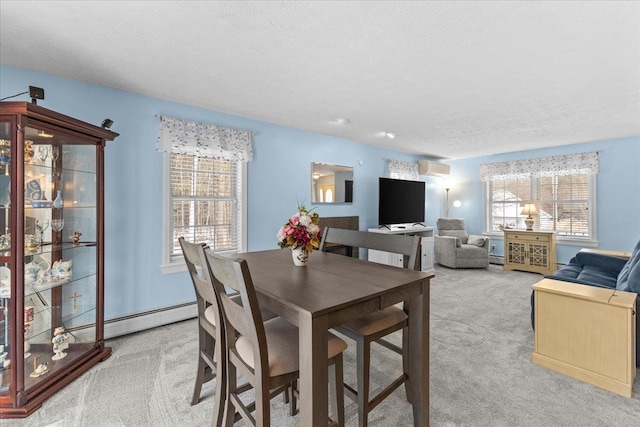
206	196
205	187
563	193
563	204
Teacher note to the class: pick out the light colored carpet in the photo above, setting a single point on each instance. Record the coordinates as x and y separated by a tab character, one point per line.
481	373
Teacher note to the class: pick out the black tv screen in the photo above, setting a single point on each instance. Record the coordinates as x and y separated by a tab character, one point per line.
400	201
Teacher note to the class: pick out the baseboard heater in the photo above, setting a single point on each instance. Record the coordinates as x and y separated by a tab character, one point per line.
141	321
496	259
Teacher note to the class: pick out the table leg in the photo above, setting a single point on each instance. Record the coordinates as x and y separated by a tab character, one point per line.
313	370
419	356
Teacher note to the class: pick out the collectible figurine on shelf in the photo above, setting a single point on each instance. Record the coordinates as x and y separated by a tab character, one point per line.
60	343
75	239
39	370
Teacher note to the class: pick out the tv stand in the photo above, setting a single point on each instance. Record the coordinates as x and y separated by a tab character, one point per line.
384	226
426	247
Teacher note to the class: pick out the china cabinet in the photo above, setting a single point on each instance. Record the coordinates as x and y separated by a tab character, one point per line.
51	253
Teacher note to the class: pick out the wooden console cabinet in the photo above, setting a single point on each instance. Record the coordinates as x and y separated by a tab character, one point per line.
426	248
587	333
533	251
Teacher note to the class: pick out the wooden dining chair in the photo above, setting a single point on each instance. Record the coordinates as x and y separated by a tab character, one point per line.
194	258
263	353
208	335
375	326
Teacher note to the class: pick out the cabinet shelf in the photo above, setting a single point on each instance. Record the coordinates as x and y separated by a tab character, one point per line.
43	334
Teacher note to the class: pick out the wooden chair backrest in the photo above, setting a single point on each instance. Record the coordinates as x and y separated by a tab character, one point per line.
197	265
409	246
245	319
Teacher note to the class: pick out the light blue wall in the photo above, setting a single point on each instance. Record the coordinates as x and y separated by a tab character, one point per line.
617	192
279	177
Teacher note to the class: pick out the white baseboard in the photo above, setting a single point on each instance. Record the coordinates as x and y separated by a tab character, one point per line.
150	319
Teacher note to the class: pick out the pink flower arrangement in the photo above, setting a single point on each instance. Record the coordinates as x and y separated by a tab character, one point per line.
302	230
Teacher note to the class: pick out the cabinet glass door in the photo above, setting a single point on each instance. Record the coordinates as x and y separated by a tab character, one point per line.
5	255
60	263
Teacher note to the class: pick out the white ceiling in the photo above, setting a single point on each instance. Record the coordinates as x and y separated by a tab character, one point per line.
452	79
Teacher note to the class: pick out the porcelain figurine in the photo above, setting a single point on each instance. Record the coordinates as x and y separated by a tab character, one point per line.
60	343
75	239
32	272
39	369
62	268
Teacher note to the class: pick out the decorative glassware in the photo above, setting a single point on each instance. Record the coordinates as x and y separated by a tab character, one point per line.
42	152
58	202
41	226
57	225
55	152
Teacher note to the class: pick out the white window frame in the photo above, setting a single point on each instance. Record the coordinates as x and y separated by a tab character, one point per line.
590	241
175	264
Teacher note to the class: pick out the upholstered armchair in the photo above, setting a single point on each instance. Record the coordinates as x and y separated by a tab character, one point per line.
455	248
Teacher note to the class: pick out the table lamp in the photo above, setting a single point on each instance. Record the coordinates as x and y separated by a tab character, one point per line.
529	209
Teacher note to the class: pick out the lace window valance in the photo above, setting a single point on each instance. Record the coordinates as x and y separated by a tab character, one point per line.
403	170
204	140
581	163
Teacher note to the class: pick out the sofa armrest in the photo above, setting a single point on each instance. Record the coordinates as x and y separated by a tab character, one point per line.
447	243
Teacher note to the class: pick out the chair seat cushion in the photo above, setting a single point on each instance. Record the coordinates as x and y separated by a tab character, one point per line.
282	346
471	251
377	321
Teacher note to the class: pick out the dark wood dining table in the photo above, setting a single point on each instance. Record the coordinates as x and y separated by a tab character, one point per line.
330	290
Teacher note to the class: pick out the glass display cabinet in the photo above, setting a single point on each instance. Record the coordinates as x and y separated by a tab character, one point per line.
51	253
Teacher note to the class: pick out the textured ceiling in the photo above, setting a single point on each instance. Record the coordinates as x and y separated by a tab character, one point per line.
452	79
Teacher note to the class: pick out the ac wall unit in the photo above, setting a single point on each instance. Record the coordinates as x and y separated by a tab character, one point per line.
431	168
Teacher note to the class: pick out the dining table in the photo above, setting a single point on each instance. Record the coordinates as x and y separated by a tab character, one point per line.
332	289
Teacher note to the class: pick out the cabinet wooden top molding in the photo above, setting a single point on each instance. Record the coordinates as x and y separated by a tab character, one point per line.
44	115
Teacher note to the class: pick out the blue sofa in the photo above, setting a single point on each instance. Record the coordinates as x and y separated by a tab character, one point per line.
604	271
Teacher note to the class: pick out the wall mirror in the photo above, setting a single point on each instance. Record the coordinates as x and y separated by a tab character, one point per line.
331	183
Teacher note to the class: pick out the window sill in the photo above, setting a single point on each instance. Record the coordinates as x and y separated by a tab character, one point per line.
177	264
174	267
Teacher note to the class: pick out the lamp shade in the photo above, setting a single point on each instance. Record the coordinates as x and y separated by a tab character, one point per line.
529	209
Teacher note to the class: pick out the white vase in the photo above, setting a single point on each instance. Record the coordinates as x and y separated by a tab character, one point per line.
300	256
58	203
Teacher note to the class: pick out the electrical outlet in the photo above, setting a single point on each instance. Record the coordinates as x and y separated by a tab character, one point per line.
493	247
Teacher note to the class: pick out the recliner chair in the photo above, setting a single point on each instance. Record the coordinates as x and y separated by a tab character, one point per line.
454	248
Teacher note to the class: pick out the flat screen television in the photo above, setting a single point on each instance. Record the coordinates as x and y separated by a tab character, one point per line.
400	201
